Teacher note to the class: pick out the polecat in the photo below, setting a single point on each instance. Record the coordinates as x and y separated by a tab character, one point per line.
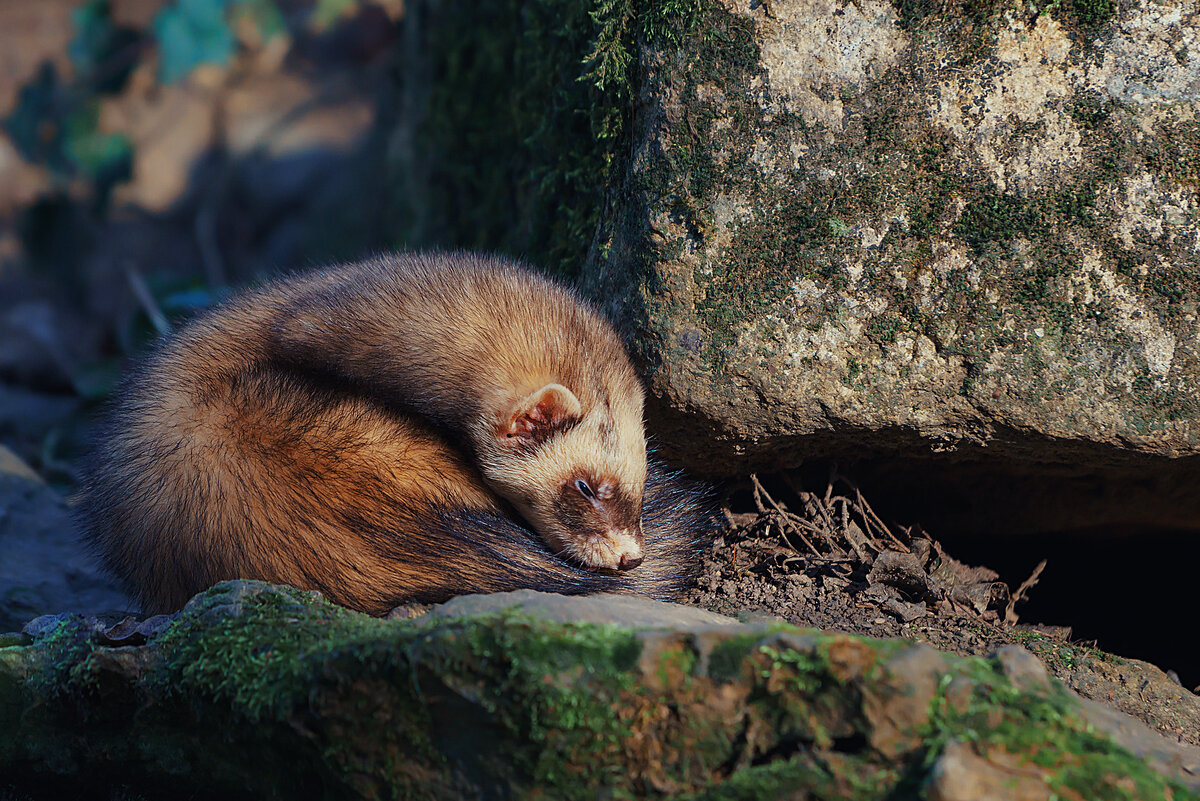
381	432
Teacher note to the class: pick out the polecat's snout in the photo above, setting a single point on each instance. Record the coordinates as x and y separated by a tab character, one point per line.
601	520
628	549
604	550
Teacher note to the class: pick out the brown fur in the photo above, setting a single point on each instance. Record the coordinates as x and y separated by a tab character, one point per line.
329	431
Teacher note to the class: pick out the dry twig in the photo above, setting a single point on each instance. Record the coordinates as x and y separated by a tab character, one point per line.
146	298
1010	614
787	519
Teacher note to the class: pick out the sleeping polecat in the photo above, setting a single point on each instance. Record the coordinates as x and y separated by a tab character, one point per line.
384	432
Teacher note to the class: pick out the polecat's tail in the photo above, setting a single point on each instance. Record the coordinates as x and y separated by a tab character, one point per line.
498	555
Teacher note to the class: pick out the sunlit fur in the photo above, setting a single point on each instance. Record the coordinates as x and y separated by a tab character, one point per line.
531	481
338	431
463	339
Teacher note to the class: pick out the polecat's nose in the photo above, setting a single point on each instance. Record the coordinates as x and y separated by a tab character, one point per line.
626	545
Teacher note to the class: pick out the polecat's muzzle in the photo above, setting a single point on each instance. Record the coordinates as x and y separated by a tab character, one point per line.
628	548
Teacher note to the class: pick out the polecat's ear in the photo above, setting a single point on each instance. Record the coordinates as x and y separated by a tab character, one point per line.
543	413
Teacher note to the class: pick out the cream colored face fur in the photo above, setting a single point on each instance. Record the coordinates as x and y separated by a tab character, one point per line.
536	480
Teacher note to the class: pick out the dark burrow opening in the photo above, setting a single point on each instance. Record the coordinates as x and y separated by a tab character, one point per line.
1120	534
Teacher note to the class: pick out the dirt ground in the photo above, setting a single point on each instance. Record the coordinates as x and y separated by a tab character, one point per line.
826	560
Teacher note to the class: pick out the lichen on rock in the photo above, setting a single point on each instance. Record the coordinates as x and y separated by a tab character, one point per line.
953	227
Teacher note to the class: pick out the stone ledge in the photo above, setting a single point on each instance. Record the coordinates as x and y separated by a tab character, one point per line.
264	691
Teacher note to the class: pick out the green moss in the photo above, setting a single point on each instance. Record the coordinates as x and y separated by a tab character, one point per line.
1164	403
260	658
995	218
524	675
1175	155
1042	725
677	665
916	13
728	657
1090	13
516	141
554	687
799	699
64	654
1175	282
709	155
261	662
1035	242
725	662
528	115
854	369
1056	655
801	777
1091	110
992	218
799	671
280	692
968	26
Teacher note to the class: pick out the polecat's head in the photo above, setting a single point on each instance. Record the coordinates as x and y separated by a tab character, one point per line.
577	476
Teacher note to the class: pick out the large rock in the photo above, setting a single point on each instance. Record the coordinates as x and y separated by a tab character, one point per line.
267	692
907	227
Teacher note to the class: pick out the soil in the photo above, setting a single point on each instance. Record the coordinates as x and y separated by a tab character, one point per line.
827	561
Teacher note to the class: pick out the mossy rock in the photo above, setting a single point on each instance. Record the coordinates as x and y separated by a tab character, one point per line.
268	692
917	227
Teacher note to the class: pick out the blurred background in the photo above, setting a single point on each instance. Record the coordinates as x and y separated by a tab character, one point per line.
152	155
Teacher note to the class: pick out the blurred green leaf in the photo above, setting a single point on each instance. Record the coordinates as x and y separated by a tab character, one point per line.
56	124
35	124
194	32
103	54
265	15
50	127
190	33
103	157
93	30
327	12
